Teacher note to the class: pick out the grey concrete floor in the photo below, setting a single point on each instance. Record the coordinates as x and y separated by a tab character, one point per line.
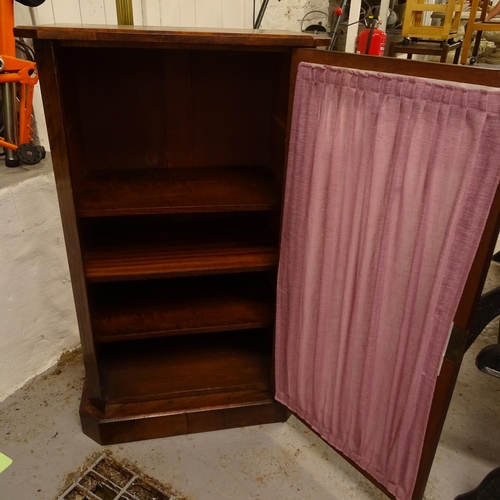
10	176
40	431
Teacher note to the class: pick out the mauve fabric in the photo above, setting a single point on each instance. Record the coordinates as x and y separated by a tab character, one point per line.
389	184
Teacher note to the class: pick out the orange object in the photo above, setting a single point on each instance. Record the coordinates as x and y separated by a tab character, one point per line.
7	41
19	71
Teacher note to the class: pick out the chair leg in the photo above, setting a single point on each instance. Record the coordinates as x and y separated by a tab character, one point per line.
457	53
444	53
477	44
468	32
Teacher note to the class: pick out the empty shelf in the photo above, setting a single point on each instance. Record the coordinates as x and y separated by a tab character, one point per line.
194	365
177	190
119	250
142	309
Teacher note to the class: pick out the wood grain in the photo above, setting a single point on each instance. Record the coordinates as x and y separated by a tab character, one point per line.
232	97
62	143
132	130
163	191
124	249
169	168
145	34
122	423
438	71
186	366
137	310
190	108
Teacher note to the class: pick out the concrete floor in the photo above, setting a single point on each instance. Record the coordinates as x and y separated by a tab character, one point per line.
40	431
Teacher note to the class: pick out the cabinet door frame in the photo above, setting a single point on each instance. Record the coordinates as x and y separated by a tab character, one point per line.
472	291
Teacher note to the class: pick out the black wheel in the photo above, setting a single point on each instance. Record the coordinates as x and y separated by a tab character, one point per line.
405	42
472	61
12	162
488	361
31	3
30	154
489	488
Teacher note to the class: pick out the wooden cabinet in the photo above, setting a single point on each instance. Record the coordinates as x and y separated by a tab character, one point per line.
169	153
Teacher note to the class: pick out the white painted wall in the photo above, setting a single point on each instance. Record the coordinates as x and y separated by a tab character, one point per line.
37	316
280	15
188	13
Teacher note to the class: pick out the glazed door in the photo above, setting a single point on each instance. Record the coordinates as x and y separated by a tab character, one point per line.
315	377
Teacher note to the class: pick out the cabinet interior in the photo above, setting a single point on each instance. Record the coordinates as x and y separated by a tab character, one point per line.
177	163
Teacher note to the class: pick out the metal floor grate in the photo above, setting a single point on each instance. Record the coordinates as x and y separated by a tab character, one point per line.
106	479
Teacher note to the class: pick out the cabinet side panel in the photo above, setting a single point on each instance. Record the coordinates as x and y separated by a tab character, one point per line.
281	88
57	126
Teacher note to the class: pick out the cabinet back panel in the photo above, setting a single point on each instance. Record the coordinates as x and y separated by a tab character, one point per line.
232	107
171	108
121	107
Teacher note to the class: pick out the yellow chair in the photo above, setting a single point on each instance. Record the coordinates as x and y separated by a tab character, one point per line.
415	9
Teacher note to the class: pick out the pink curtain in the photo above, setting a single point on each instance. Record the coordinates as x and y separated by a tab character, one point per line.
389	184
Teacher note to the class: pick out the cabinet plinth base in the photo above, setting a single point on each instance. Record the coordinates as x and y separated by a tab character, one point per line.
123	423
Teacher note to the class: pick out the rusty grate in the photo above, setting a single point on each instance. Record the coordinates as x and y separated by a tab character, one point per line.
106	479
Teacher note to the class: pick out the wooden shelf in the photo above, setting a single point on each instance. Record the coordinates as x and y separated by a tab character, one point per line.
146	309
188	366
129	250
181	190
123	249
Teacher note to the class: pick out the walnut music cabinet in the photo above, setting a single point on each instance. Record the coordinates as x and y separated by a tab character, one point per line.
169	153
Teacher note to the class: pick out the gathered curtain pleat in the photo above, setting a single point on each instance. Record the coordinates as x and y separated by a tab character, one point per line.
389	184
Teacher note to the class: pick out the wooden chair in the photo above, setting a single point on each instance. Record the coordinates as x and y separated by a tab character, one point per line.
429	40
414	14
478	26
427	47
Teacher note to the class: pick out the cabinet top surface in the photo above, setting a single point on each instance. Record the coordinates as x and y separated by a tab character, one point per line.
106	33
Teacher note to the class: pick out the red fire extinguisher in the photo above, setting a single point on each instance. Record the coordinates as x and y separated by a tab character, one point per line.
371	41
